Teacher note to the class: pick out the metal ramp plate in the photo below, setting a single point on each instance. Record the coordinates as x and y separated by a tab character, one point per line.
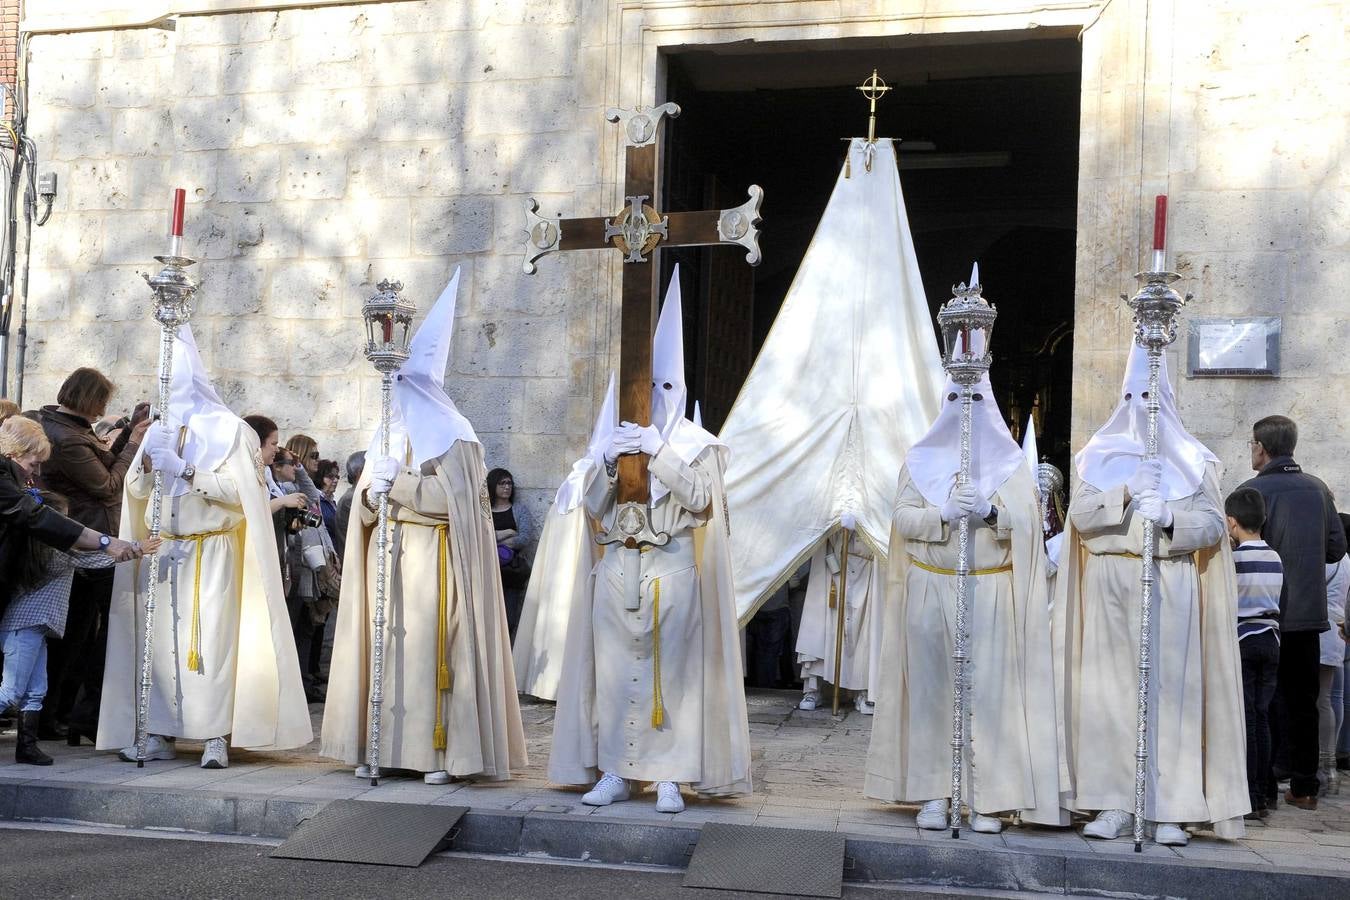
789	861
372	832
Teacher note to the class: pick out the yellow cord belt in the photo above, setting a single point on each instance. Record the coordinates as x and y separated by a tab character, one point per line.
941	571
194	660
658	713
442	668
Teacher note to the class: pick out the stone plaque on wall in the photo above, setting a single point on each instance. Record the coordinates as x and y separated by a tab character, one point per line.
1234	347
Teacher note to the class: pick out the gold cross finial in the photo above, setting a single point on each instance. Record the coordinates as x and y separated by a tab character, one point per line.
873	89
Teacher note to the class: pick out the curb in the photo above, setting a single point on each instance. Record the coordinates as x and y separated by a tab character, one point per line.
622	841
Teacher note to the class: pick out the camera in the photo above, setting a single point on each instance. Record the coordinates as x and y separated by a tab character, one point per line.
298	519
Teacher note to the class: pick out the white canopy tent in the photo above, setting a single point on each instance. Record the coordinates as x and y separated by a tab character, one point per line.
849	376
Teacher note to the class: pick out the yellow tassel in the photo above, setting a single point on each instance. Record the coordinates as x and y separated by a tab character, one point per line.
443	677
848	166
438	737
658	710
194	661
834	595
442	669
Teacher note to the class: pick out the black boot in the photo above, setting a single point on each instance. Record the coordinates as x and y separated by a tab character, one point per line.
27	749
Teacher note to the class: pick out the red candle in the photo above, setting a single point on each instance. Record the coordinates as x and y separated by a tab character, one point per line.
1159	221
388	323
179	199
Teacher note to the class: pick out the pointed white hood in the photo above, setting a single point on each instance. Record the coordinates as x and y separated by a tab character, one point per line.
573	489
212	428
935	459
1030	450
1112	454
423	417
669	392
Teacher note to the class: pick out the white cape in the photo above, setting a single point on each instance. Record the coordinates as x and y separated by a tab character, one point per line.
849	377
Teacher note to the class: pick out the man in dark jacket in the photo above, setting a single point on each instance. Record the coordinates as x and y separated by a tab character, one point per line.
1303	528
91	477
356	463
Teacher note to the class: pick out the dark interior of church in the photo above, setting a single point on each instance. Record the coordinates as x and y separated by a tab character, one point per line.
989	165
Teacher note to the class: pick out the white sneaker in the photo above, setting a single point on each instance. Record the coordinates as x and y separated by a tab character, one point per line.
609	789
156	747
985	824
440	776
216	755
933	816
1109	824
860	703
810	700
668	799
1170	835
362	771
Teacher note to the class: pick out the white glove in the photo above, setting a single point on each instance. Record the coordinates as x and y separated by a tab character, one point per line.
649	439
625	440
981	508
157	437
167	461
961	502
1147	476
383	471
1152	507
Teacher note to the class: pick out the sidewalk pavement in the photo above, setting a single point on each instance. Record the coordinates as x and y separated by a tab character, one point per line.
808	773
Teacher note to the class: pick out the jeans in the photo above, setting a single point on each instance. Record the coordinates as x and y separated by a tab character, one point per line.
1343	745
1260	667
24	683
1300	662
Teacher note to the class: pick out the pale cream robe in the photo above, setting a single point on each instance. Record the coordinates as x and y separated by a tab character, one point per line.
247	684
817	635
1197	741
479	711
609	689
559	582
1014	745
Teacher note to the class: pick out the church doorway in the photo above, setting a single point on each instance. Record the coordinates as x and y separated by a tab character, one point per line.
988	127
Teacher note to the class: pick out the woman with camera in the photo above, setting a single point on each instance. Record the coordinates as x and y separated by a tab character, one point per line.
308	551
223	660
90	475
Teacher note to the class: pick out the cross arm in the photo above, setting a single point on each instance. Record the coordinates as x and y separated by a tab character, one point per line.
546	235
738	225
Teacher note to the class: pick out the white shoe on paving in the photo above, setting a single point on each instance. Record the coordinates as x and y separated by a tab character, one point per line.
933	816
1109	824
1170	835
985	824
438	777
861	704
362	771
609	789
668	799
156	747
216	755
810	700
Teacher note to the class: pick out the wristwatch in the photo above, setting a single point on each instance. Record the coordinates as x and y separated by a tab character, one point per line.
189	472
992	519
104	541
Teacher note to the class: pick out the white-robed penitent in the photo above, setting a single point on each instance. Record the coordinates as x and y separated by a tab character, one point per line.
224	658
561	578
1196	768
1013	762
848	378
449	690
818	636
655	693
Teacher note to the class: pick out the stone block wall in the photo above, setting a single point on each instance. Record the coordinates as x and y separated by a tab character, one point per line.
1234	110
323	150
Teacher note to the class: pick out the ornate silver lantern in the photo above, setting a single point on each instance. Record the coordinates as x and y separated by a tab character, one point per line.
967	323
388	317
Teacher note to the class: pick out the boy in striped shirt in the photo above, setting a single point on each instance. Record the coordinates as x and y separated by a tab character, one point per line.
1259	579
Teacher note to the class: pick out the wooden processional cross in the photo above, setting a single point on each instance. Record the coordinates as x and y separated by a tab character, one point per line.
638	232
